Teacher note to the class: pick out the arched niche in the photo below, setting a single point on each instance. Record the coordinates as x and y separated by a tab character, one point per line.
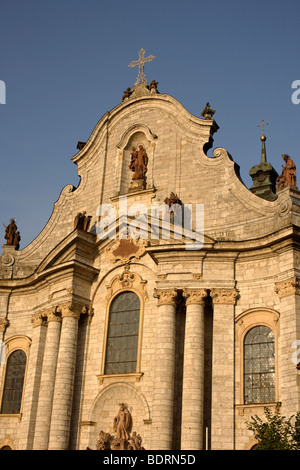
136	135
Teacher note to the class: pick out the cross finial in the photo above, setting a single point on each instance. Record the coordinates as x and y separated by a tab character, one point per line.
263	123
140	63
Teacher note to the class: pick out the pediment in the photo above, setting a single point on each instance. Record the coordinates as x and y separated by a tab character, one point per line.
77	246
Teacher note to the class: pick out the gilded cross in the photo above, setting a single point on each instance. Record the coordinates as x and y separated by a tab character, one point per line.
263	123
140	63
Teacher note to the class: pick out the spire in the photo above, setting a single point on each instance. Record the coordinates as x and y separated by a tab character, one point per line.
263	140
263	175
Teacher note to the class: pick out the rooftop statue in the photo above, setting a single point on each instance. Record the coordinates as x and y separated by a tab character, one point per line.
288	174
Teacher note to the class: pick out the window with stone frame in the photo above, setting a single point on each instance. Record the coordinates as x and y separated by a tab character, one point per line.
14	382
123	334
259	365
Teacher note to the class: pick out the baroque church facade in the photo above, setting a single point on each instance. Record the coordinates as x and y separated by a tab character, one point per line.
158	308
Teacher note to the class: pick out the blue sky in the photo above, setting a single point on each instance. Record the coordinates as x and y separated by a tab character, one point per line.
65	64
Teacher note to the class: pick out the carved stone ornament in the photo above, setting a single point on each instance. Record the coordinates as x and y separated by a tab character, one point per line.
195	296
127	248
3	324
121	440
166	296
38	319
288	287
126	281
224	296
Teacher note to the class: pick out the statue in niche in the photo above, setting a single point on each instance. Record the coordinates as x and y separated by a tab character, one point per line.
138	164
122	439
12	236
122	423
288	174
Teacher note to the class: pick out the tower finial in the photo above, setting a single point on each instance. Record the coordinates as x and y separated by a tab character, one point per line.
263	139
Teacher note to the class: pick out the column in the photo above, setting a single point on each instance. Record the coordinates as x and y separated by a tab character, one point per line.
163	393
64	380
222	433
32	384
193	371
43	419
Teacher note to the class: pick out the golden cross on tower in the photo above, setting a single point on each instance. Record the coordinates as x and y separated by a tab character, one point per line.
142	60
263	123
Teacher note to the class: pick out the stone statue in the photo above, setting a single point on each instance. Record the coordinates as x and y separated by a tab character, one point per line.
103	442
122	423
122	439
82	221
135	442
174	203
12	236
153	86
288	174
127	93
207	112
139	162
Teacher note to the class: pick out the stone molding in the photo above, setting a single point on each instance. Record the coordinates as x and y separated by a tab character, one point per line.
288	287
166	296
194	296
224	296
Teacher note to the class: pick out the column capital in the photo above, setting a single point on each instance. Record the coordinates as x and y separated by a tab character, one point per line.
194	296
166	296
53	314
38	319
70	309
224	296
287	287
3	324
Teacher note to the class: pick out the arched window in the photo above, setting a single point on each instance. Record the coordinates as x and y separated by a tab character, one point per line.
14	380
259	365
123	334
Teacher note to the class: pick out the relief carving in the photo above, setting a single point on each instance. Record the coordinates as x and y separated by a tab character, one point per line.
124	281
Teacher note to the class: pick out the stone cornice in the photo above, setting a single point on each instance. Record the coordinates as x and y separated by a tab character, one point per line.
166	296
194	296
288	287
224	296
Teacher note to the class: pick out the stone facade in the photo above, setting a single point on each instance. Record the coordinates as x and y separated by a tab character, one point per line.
197	301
